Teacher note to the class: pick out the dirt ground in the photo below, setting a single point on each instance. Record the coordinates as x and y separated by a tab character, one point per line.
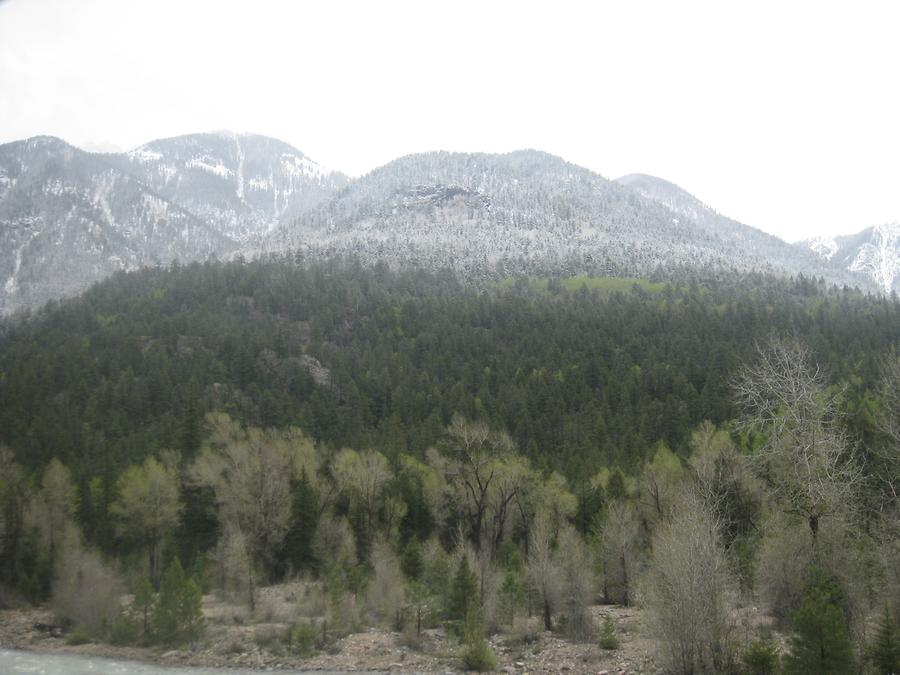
234	638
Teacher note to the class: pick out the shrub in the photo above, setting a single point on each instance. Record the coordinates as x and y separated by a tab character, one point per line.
688	591
79	636
761	657
478	656
302	639
124	630
608	638
86	591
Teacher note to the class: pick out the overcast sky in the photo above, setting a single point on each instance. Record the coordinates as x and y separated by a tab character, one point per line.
784	115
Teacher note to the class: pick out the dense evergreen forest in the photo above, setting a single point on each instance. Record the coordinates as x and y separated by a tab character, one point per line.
604	409
581	376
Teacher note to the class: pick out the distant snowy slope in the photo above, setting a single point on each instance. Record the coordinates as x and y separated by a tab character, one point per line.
244	183
874	252
757	245
68	218
528	212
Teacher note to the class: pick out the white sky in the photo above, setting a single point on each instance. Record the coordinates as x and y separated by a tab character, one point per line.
784	115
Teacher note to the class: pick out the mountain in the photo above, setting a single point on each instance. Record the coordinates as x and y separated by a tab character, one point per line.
69	218
242	183
528	212
874	252
759	247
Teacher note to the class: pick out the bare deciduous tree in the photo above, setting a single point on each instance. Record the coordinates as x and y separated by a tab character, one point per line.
619	548
688	591
86	590
363	476
250	471
474	450
542	569
807	457
577	583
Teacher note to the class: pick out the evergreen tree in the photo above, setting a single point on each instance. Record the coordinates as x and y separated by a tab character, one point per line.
143	606
411	561
884	651
190	431
297	549
178	617
462	605
820	644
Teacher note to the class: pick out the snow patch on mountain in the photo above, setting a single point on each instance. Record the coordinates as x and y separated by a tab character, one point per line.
880	256
206	164
825	247
303	167
144	154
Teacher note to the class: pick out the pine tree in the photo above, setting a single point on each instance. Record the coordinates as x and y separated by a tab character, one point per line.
143	605
190	426
463	600
297	548
821	643
178	617
411	561
884	651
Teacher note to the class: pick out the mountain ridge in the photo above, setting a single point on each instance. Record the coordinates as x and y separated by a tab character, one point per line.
69	217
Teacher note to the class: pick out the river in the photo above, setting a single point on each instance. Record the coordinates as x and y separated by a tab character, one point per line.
16	661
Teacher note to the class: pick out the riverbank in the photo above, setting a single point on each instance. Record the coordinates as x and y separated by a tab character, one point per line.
256	645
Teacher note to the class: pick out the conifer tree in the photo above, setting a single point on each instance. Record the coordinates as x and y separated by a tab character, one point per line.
821	643
884	651
143	605
463	601
178	617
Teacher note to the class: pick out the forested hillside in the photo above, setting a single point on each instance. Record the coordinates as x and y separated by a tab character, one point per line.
581	376
701	447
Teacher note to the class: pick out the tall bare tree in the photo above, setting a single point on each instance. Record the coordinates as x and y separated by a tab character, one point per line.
250	471
806	458
475	451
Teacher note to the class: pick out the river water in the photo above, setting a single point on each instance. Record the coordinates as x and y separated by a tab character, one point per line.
15	661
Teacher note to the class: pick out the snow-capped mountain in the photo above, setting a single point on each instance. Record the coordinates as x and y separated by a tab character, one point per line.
760	248
69	218
874	252
242	183
528	212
